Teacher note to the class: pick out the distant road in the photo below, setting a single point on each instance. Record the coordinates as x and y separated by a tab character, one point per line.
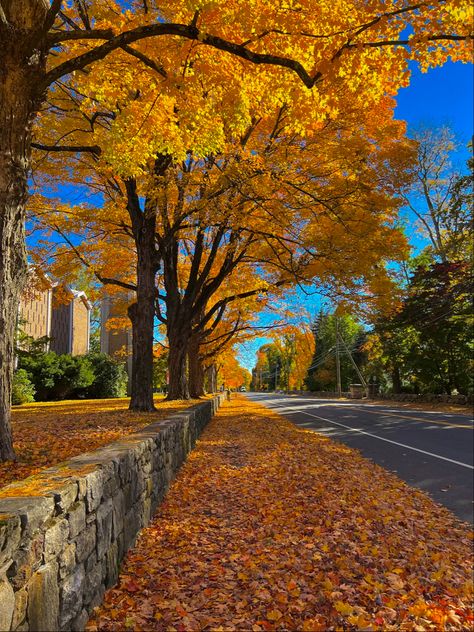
429	450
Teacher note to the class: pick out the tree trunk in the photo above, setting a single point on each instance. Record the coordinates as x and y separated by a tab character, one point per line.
178	387
142	356
21	70
211	377
396	381
142	315
196	369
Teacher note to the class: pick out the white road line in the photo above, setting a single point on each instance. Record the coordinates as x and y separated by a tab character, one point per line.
403	445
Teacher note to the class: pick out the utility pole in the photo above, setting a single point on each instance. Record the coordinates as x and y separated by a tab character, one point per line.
276	376
338	361
361	378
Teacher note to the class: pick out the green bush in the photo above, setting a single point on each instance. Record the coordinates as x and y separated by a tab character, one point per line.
58	377
110	377
23	390
43	371
77	375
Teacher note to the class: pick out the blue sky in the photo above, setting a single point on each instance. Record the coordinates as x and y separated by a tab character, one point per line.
442	96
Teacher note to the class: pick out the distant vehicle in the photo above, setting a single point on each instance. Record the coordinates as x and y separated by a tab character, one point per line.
243	389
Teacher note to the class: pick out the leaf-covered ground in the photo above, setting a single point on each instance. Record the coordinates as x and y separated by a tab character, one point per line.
47	433
271	527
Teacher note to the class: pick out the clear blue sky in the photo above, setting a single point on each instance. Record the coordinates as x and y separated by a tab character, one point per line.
442	96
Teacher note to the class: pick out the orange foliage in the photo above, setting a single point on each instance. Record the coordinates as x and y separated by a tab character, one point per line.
295	344
48	433
271	527
231	373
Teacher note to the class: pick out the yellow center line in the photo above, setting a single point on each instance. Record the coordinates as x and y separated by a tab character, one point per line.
427	421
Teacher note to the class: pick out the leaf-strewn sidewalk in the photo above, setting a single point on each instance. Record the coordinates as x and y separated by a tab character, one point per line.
269	526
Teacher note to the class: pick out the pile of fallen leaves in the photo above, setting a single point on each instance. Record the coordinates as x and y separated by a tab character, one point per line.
47	433
271	527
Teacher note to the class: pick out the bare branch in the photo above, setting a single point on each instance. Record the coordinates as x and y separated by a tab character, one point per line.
68	20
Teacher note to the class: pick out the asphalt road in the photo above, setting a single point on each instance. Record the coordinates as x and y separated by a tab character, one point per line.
429	450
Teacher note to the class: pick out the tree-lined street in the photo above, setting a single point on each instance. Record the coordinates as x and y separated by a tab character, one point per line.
431	450
190	187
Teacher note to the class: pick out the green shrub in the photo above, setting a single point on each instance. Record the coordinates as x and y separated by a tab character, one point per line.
110	377
23	390
58	377
77	375
44	371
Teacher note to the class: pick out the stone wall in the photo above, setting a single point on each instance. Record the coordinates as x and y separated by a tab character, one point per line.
65	531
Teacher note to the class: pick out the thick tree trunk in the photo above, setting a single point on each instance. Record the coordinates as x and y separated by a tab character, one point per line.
211	378
195	369
141	390
142	315
21	69
178	387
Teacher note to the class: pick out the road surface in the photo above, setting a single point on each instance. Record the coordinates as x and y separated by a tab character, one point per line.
431	450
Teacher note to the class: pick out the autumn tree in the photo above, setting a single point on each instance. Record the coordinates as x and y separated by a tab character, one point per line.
232	374
426	345
332	220
237	324
327	328
294	343
41	43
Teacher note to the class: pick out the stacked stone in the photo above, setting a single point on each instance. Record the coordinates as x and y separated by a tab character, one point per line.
64	532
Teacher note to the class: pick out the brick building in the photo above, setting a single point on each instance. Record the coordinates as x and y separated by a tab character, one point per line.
35	311
57	312
70	322
116	328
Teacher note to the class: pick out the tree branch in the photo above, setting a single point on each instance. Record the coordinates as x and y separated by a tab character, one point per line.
224	301
152	30
53	11
82	10
146	60
91	149
86	264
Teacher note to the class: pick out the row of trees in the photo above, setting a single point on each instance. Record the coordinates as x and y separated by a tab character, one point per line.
424	343
222	149
427	345
304	357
